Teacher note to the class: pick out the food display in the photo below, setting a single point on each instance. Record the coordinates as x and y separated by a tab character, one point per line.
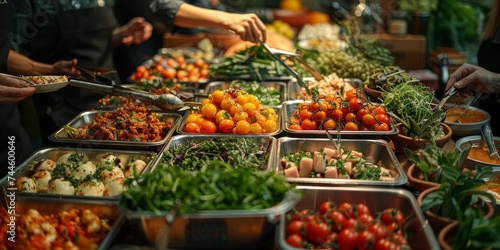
347	162
268	93
347	226
53	223
459	114
41	80
128	123
168	68
355	218
231	111
241	152
353	113
329	162
96	173
492	185
329	85
252	63
216	185
71	229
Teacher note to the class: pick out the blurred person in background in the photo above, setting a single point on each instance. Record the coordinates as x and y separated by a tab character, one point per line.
13	90
49	31
487	57
168	16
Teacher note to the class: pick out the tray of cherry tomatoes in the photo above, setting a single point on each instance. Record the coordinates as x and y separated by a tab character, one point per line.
355	218
350	116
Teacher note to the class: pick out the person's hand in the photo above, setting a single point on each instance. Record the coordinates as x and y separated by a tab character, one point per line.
66	67
13	90
137	31
468	78
248	26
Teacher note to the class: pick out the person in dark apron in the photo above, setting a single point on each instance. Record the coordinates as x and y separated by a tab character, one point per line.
10	131
52	30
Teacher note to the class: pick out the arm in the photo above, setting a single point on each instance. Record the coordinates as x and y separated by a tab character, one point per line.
135	31
469	77
13	90
19	64
248	26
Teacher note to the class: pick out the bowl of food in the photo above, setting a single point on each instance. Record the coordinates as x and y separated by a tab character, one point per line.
478	154
465	121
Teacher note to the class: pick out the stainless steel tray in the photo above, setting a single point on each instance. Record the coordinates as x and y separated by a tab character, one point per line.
27	167
280	86
87	116
180	128
185	139
294	87
377	199
289	107
55	206
227	229
373	151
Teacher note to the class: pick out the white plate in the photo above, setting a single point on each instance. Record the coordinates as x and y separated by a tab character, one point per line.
54	83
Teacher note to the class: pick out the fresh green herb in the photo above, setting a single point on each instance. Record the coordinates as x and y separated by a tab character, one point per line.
253	62
411	105
267	95
216	186
240	152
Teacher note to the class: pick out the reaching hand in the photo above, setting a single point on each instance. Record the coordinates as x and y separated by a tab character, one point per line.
137	31
248	26
13	90
469	77
66	67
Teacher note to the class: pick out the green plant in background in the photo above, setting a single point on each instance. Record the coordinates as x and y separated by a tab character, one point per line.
418	5
431	160
456	25
476	232
458	192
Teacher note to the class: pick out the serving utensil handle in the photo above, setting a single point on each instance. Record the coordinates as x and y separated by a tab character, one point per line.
488	137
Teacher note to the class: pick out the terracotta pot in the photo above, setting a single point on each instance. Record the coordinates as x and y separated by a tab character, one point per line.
416	179
439	222
402	141
446	235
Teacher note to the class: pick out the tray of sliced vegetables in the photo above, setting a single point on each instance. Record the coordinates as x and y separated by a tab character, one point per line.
346	162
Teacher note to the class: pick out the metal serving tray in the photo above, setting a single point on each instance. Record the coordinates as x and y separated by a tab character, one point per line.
420	235
294	87
185	139
225	229
180	128
280	86
27	166
55	206
373	151
289	107
86	117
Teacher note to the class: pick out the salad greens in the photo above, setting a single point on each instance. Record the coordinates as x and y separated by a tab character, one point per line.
216	186
239	152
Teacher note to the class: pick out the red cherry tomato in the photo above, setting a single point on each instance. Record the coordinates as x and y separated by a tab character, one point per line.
366	240
325	207
295	240
317	232
356	104
296	227
347	238
379	229
383	118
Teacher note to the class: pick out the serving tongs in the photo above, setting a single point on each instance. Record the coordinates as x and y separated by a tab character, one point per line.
451	92
167	102
276	53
